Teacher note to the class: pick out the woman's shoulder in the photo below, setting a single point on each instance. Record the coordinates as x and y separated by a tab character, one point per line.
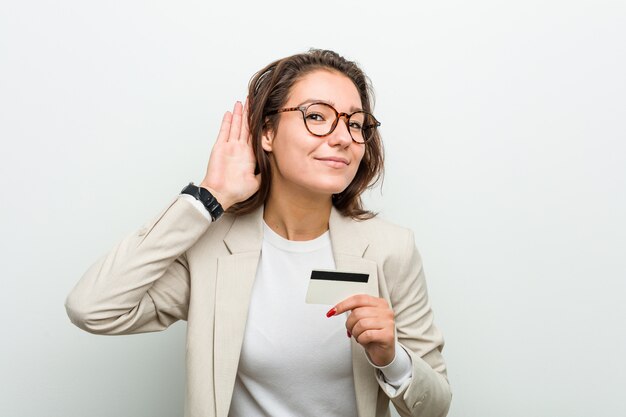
378	224
385	235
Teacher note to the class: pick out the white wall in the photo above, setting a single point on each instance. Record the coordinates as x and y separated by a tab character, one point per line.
504	125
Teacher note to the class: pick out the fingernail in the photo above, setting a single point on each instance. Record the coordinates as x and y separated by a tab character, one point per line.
331	312
349	335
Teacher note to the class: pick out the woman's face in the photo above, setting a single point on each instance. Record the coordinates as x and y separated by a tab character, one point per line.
302	162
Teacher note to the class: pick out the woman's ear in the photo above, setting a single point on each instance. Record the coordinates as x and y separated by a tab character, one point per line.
266	140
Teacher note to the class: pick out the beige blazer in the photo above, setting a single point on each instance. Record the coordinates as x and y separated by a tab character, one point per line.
181	267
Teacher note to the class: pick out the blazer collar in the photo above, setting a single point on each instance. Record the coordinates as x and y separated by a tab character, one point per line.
246	234
344	236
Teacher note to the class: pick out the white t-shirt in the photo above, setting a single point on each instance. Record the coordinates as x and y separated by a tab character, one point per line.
294	361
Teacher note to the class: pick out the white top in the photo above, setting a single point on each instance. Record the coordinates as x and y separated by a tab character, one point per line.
294	361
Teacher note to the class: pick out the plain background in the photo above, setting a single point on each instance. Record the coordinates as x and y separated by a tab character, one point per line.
504	126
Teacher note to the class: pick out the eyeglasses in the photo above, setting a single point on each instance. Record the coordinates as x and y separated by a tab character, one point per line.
321	120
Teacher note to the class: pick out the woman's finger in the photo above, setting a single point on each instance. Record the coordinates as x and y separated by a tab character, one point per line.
235	127
374	336
245	130
367	324
356	301
225	127
364	313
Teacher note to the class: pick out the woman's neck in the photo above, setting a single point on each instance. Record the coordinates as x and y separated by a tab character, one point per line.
303	218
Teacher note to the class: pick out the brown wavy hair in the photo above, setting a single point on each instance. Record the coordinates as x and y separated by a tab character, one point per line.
269	90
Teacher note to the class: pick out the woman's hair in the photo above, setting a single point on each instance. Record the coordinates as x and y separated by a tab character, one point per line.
269	90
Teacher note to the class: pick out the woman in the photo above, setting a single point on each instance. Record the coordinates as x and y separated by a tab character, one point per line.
288	168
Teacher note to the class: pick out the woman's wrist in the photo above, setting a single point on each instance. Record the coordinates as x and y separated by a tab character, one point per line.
219	196
399	369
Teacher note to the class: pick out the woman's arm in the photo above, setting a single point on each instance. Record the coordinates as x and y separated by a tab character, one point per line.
142	285
427	393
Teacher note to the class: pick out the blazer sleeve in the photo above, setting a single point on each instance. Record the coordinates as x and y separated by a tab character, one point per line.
142	284
427	393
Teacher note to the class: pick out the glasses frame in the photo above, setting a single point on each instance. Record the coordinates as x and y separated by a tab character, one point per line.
338	115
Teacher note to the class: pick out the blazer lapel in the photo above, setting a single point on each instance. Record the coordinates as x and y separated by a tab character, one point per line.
236	273
348	250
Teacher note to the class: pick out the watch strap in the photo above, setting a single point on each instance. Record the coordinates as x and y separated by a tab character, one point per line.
206	198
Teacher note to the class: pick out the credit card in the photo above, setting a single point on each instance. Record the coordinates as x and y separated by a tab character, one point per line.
330	287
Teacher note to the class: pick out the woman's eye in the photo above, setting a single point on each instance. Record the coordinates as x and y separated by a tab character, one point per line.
315	116
356	125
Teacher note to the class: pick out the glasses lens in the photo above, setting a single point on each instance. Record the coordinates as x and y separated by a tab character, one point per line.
362	126
320	118
356	123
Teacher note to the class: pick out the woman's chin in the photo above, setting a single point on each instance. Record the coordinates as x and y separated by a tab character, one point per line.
329	190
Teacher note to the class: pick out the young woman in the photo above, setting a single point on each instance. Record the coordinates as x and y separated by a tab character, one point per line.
288	168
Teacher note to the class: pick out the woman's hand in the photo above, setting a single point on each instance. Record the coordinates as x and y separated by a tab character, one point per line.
230	172
372	324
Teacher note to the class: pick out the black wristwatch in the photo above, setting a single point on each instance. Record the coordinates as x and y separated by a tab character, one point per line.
206	198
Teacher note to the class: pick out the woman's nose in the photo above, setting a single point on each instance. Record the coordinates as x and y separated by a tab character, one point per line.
341	134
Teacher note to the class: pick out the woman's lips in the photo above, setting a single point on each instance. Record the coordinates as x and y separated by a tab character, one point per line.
334	162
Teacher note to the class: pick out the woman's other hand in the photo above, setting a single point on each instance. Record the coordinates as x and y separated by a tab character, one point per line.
371	323
230	172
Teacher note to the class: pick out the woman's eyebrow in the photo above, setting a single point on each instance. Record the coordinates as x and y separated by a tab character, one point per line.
317	100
